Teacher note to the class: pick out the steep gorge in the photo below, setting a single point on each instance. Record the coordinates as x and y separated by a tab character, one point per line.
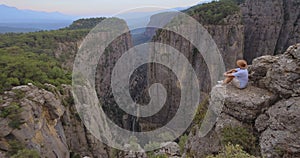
257	28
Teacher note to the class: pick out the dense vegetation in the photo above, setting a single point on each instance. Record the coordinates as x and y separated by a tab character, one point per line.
215	11
30	57
18	68
43	42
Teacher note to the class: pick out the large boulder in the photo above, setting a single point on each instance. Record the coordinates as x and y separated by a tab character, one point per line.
280	129
279	74
246	104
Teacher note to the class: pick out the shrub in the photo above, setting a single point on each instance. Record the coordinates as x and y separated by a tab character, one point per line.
13	108
15	123
182	142
232	151
26	153
14	147
239	136
12	112
74	155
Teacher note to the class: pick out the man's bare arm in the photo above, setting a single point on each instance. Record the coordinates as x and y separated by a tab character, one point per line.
232	71
229	75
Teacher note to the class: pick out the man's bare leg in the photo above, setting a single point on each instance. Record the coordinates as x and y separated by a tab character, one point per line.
228	80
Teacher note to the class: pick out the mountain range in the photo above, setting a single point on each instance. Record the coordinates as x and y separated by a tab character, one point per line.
29	20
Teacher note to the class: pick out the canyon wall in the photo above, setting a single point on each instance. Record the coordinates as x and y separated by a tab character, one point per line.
271	26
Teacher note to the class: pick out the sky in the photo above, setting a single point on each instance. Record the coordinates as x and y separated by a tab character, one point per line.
95	7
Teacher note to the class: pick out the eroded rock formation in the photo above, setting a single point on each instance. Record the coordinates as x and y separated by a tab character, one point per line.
268	108
46	121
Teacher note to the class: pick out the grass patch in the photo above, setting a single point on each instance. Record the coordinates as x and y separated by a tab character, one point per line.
26	153
239	136
232	151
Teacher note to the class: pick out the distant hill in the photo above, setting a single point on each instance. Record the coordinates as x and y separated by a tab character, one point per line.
15	20
87	23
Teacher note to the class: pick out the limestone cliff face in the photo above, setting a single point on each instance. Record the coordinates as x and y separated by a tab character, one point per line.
268	109
229	39
103	77
270	26
259	28
46	121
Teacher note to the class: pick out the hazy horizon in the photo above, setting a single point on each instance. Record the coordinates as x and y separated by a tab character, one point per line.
95	7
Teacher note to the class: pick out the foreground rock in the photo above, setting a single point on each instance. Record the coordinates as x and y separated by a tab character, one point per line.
279	74
280	129
46	122
264	118
240	109
245	105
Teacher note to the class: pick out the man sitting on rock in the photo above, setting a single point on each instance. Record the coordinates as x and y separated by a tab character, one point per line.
238	76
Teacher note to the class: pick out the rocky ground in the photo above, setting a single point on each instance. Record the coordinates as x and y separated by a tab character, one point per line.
46	121
264	118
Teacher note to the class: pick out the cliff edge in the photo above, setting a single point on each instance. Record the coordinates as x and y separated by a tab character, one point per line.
264	118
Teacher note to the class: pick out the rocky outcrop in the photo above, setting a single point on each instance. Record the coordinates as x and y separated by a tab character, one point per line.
280	129
245	105
279	74
241	108
268	109
36	123
45	121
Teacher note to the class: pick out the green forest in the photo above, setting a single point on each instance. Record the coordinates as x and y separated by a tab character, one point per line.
29	57
213	13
